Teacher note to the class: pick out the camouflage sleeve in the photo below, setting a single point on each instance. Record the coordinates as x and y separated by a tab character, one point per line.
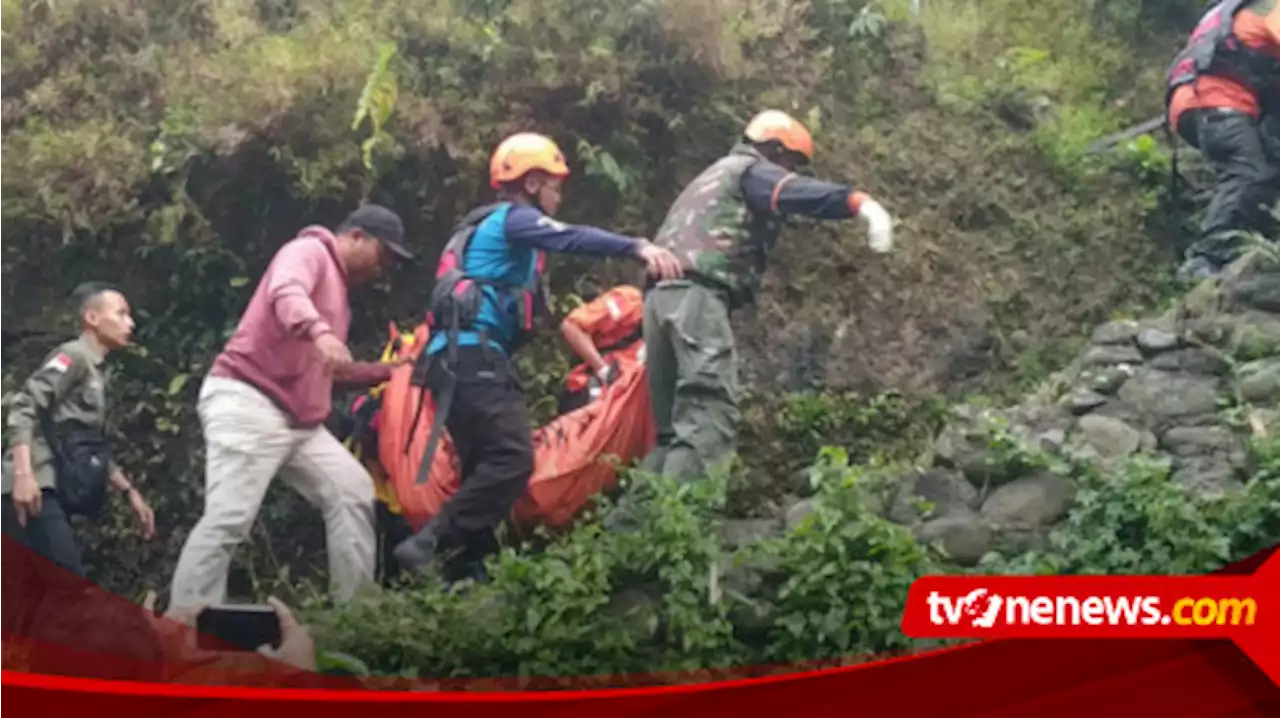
43	390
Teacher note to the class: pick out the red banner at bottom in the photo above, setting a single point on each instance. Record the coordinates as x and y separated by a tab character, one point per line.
1160	645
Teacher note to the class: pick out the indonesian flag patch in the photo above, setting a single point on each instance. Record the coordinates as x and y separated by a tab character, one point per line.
60	363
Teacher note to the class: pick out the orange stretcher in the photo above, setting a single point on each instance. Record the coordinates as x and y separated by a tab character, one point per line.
576	455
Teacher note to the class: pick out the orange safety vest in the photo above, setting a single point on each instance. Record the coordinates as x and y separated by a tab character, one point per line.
613	320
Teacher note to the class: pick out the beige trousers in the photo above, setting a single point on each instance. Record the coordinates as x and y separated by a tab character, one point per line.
248	442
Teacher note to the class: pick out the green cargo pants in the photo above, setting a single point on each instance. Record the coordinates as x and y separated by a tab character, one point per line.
692	367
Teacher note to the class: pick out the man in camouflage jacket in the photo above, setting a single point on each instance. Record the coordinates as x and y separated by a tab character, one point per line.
722	227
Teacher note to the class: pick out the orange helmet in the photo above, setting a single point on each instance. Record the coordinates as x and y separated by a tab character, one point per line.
522	153
776	125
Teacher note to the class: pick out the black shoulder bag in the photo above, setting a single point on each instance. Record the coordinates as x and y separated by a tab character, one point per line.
81	461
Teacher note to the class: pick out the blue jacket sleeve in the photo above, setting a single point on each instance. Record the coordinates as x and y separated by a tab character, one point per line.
769	188
529	226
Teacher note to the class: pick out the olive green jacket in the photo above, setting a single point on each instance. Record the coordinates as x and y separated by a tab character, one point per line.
70	385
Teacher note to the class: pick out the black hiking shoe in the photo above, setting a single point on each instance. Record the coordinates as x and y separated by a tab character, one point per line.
416	552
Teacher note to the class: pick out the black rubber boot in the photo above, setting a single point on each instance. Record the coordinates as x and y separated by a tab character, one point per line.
418	551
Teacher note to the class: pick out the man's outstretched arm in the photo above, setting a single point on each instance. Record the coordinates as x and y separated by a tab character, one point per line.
772	189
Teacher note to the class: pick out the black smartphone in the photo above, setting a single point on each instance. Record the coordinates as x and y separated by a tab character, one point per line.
243	627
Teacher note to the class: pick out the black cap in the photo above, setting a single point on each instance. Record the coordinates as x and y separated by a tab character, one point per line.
381	223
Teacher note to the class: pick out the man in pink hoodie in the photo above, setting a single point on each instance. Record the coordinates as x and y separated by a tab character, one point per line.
265	399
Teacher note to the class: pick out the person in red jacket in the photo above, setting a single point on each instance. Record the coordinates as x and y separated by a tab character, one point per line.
602	332
1223	96
267	395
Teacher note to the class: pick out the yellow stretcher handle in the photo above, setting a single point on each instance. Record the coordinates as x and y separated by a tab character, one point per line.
382	489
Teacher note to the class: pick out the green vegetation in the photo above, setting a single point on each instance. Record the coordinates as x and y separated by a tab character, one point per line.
672	597
174	145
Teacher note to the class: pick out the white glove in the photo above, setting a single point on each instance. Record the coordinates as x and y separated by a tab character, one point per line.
879	225
601	379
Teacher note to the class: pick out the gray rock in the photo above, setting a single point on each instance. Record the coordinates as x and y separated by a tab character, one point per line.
1218	331
1187	441
1108	381
1255	334
956	445
1112	354
1267	419
1264	321
1154	341
1118	332
1192	361
1052	440
1204	301
1030	502
1260	381
1084	401
1148	443
1041	417
740	532
948	491
1206	476
798	512
966	449
1259	292
1254	262
1111	438
1167	322
964	538
1243	461
1014	541
1081	450
1118	409
1163	397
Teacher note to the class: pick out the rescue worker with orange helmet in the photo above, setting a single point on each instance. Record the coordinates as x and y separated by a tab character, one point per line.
722	227
1223	96
489	294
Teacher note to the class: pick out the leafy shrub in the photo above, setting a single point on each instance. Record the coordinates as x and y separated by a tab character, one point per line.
848	570
601	603
564	611
864	426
